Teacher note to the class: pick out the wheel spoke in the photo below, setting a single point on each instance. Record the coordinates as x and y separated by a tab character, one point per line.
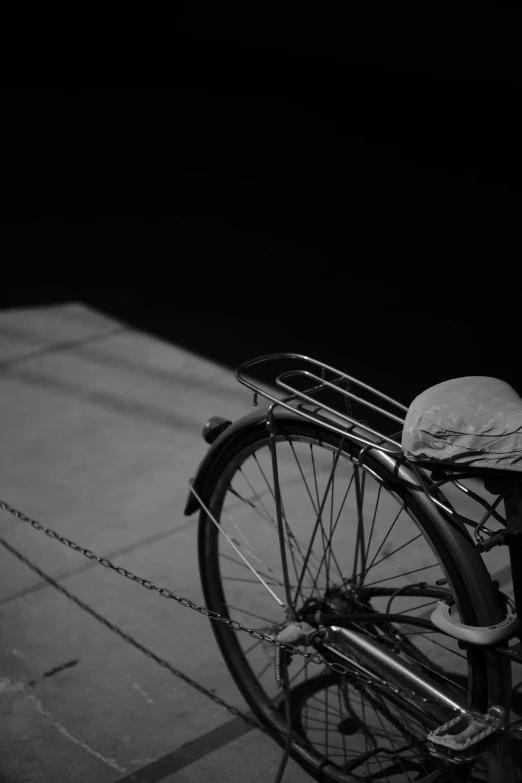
329	548
249	581
370	537
283	516
253	646
392	743
322	703
347	538
340	710
251	614
290	537
393	552
384	540
443	646
360	550
316	526
264	670
403	573
318	513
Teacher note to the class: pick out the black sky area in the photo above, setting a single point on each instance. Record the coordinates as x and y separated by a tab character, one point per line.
333	185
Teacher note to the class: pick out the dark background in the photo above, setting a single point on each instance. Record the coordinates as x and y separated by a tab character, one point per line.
341	185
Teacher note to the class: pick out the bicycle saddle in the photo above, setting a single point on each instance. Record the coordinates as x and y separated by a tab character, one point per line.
474	421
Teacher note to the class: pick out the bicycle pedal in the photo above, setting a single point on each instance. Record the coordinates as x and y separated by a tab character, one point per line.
464	734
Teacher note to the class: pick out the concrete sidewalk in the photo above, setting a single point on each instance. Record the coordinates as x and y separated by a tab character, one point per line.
101	432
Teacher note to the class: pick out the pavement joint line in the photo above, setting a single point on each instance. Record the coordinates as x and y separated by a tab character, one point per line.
118	362
57	347
503	576
192	683
92	563
125	550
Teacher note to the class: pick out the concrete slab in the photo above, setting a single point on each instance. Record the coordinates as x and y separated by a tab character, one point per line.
109	707
28	333
100	442
101	432
103	440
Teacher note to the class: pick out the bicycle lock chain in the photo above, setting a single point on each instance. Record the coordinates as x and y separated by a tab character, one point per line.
186	602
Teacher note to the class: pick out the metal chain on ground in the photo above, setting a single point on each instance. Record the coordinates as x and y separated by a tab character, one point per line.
129	639
166	593
188	680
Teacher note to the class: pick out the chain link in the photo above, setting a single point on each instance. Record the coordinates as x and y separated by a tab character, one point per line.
130	640
186	602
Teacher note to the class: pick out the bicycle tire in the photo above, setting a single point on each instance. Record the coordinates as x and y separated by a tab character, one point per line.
467	577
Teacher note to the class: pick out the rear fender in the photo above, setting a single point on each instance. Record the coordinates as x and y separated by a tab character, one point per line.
486	606
254	420
397	470
452	530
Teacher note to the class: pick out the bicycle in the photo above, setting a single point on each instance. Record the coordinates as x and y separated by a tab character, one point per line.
365	666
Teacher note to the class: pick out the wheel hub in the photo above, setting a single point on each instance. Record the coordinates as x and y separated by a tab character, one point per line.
336	600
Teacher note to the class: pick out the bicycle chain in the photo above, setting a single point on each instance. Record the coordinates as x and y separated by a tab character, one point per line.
166	593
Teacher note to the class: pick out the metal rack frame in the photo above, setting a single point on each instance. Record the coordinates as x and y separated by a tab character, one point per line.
360	431
356	430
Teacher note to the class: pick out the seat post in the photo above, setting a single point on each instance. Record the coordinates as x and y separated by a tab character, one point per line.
513	507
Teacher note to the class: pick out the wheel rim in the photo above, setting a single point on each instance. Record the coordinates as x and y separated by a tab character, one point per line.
361	522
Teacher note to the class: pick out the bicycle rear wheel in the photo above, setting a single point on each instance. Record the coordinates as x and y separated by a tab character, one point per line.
372	539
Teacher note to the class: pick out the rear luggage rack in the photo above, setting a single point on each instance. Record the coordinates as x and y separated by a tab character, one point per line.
307	402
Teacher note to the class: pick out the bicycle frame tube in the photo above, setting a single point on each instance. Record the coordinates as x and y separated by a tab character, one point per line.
391	668
513	506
